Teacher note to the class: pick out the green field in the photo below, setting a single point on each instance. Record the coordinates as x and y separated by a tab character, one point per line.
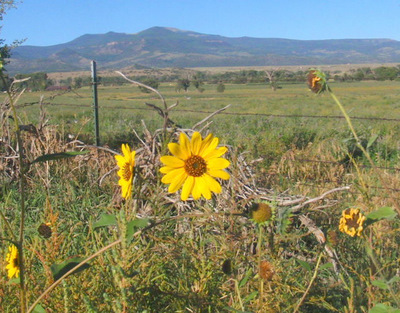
289	147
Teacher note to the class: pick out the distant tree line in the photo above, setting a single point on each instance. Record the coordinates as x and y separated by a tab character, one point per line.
40	81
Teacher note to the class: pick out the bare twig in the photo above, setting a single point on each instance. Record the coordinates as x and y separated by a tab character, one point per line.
321	197
210	116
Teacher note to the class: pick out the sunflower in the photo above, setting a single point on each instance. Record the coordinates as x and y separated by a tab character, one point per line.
12	259
351	222
126	163
193	166
316	81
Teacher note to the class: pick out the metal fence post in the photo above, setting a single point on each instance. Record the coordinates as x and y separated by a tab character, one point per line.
95	104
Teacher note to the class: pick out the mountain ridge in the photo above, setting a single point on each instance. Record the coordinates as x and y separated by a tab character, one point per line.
170	47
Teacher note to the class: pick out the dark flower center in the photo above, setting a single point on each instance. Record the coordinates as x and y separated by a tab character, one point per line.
353	221
195	166
15	262
126	172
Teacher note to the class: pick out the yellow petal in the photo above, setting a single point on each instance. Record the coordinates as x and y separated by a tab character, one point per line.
218	163
187	188
120	160
196	192
177	151
211	147
195	143
185	145
166	169
219	174
177	182
212	184
206	142
126	190
204	188
172	161
132	158
169	178
126	150
216	153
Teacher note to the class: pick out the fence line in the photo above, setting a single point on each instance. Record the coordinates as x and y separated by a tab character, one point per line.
338	162
221	113
301	160
354	192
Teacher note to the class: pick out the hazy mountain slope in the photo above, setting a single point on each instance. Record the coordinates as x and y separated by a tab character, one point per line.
167	47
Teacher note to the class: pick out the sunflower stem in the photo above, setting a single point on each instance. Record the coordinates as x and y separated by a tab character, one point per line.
259	250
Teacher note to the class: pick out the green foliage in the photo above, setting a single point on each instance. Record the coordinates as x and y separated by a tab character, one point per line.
382	213
183	83
151	82
220	87
38	81
386	73
383	308
59	270
58	156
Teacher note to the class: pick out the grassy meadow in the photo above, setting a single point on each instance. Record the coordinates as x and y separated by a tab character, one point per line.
169	255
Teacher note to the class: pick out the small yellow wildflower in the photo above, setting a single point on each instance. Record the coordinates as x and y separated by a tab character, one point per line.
193	166
126	163
351	222
12	259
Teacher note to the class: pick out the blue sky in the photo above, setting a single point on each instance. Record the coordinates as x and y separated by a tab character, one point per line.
49	22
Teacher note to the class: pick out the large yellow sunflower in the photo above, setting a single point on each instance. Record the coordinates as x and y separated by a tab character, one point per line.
13	262
351	222
126	163
193	165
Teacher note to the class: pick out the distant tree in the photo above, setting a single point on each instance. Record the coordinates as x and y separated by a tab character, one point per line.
183	83
271	79
220	87
386	73
198	84
78	82
38	81
5	50
151	82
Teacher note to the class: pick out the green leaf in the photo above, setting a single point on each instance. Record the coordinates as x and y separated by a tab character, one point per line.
132	227
58	156
38	309
250	297
304	264
326	266
372	140
382	213
58	270
383	308
14	280
394	279
246	278
380	284
105	220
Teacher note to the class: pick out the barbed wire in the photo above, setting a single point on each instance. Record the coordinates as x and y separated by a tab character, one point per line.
319	184
221	113
338	163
